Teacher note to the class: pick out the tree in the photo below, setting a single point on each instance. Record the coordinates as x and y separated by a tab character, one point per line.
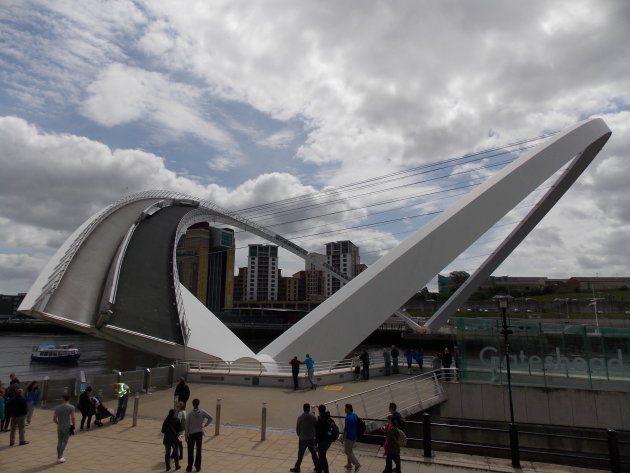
456	279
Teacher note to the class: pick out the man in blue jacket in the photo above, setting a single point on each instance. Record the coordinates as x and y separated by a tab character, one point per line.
310	369
350	436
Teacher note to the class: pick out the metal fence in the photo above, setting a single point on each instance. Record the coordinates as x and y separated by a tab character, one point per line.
598	448
411	396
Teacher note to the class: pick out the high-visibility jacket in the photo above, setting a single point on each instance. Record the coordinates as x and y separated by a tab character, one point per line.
122	390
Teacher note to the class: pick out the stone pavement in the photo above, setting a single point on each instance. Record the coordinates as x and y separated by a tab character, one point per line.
123	448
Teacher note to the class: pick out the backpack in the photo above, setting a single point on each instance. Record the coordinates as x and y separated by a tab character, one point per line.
401	440
361	427
400	423
332	431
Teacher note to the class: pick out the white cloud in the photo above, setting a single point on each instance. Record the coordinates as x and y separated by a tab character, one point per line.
376	89
125	94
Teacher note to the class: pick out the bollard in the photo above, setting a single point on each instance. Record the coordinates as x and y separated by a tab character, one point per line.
45	392
217	421
147	380
613	451
263	423
136	402
514	451
426	434
171	375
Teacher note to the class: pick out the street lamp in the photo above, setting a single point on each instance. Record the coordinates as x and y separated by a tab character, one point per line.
506	332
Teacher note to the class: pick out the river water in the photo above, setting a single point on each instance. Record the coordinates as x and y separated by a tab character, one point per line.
97	356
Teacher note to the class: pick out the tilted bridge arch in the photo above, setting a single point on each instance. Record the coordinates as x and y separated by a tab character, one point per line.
91	283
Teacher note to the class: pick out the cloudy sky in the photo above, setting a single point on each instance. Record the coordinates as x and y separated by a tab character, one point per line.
245	103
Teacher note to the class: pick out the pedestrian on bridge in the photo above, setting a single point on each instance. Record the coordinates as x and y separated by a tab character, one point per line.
350	436
295	371
395	353
310	370
195	429
409	355
305	429
182	393
419	358
365	360
387	358
122	391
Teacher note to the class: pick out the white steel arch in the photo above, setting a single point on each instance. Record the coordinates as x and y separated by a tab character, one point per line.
341	322
345	319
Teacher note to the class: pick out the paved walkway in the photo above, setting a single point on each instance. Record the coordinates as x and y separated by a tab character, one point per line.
123	448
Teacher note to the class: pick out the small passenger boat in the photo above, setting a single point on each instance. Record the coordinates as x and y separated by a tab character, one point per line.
55	353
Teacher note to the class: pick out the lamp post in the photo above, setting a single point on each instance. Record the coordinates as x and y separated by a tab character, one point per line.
506	332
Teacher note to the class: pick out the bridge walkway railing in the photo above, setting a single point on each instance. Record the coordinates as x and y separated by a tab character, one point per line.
411	396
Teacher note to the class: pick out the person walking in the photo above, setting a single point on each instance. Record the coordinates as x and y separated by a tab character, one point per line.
409	356
18	411
182	392
171	428
86	406
322	438
387	358
305	430
419	356
180	411
295	371
365	361
396	417
392	447
194	433
356	366
350	436
64	418
395	353
310	370
32	400
122	392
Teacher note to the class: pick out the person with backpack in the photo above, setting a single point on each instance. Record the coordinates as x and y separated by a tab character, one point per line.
399	422
326	432
392	446
350	436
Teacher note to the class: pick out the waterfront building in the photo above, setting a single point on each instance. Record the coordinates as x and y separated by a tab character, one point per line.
205	262
343	256
9	303
240	285
289	289
262	264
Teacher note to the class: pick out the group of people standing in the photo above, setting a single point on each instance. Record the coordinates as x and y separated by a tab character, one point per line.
316	434
310	371
16	408
179	426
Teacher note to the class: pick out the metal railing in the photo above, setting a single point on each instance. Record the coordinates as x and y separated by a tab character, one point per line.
411	396
260	367
603	449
